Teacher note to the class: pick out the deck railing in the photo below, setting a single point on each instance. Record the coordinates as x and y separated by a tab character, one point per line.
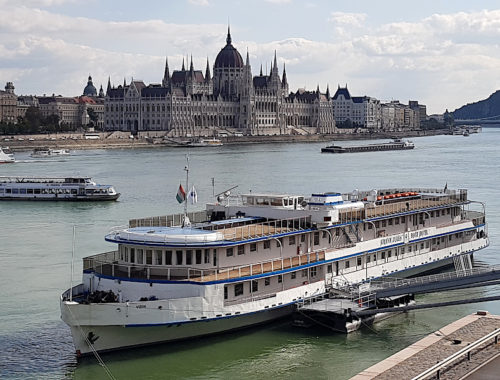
168	220
107	264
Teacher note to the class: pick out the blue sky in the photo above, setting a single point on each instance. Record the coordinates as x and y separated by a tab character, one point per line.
442	53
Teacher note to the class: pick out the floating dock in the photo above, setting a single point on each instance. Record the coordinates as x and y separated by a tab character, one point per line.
465	349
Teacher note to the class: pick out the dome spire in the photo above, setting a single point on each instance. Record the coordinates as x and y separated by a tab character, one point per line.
228	38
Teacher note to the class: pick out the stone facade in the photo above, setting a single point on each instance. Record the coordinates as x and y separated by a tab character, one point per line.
396	116
8	104
72	111
190	103
360	111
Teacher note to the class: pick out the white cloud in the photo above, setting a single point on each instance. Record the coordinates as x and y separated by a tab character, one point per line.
444	60
278	1
203	3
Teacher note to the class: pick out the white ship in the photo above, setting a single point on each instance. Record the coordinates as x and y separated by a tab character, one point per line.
48	152
55	189
6	158
250	259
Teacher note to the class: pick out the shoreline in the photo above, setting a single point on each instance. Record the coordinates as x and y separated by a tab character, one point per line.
67	141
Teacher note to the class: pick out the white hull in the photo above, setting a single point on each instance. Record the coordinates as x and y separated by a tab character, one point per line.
108	338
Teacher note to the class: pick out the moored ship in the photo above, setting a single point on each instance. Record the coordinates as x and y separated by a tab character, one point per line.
48	152
250	259
55	189
396	144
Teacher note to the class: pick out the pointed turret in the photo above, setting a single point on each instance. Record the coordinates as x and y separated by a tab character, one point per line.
228	38
124	82
191	66
328	91
101	92
207	72
183	67
248	59
317	89
108	89
261	69
284	81
274	68
166	74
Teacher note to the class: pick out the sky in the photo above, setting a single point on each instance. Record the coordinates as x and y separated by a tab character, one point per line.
442	53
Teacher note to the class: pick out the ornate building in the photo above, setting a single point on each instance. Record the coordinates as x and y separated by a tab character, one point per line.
190	103
8	104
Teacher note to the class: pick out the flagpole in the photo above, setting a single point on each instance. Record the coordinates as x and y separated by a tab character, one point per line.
187	188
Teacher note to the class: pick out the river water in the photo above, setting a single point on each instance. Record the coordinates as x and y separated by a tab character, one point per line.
36	246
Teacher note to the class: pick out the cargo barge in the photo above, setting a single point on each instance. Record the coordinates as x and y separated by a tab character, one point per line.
396	144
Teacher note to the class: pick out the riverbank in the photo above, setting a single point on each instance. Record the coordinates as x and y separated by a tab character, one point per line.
122	140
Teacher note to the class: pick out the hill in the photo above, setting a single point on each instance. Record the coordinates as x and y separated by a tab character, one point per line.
484	108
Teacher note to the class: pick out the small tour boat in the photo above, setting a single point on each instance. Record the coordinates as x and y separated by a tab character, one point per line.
6	158
55	189
48	152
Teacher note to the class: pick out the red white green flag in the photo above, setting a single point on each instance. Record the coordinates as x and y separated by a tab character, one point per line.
181	194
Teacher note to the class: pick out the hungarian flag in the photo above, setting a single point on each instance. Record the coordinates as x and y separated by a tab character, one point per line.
181	194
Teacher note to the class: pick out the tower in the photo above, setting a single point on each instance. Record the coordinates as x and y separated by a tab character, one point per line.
166	75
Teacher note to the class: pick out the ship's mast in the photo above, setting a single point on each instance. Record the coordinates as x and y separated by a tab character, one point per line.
186	222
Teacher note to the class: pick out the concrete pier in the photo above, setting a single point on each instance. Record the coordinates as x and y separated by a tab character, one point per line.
439	349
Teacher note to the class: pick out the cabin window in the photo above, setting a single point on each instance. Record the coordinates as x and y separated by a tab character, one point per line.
30	191
280	278
314	271
375	258
409	248
448	211
215	257
443	212
304	273
377	224
358	263
140	256
238	289
389	253
9	191
267	281
253	247
316	238
189	257
37	191
132	255
267	244
229	251
347	264
293	275
159	257
402	220
225	292
370	226
22	191
168	257
382	255
291	240
396	220
367	259
427	244
384	223
207	256
255	286
279	243
149	257
302	238
198	256
390	222
178	255
432	214
241	250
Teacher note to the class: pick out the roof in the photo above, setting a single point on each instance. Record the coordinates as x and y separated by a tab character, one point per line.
342	91
228	56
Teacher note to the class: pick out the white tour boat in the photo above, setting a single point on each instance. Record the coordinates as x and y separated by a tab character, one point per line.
251	259
48	152
6	158
205	142
55	189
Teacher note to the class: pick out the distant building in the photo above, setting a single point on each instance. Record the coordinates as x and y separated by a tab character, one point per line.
421	109
360	111
190	103
396	116
89	89
8	104
73	111
24	102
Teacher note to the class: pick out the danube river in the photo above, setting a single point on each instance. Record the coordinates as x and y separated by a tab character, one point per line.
36	245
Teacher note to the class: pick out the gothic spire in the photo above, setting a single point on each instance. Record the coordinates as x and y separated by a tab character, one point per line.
284	81
191	67
124	82
248	59
108	89
228	38
328	91
261	69
183	67
275	63
207	72
166	74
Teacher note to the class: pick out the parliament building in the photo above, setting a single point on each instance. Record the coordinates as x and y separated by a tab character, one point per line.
189	102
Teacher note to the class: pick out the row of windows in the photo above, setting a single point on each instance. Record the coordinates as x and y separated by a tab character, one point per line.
167	257
38	191
266	244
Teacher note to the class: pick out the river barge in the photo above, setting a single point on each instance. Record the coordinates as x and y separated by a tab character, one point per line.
252	258
55	189
396	144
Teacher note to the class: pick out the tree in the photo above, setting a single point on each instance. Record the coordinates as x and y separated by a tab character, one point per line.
93	117
34	119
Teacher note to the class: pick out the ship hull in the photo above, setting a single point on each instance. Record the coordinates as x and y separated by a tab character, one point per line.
111	338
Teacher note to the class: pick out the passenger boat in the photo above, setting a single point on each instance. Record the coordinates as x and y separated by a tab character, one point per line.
55	189
250	259
6	158
48	152
205	142
395	144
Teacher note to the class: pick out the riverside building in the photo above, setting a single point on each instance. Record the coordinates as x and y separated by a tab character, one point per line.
189	102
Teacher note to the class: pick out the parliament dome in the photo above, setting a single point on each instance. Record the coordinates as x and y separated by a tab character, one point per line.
89	89
228	56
